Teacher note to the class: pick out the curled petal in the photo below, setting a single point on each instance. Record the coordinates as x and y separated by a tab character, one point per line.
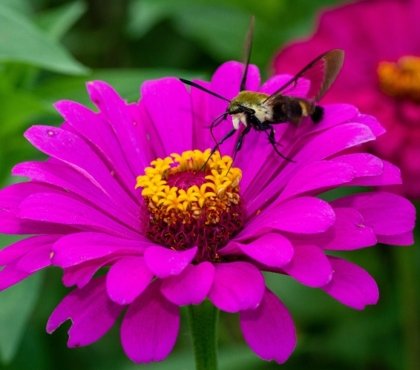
127	279
150	327
191	286
309	266
237	286
271	249
351	285
269	329
164	262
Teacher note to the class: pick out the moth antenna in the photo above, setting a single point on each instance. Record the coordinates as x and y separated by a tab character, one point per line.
193	84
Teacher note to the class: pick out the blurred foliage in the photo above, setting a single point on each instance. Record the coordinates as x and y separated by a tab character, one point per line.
50	48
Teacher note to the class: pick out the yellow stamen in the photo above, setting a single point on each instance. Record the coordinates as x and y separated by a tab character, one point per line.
218	190
401	79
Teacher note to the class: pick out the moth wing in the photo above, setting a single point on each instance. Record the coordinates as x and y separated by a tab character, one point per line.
321	72
247	53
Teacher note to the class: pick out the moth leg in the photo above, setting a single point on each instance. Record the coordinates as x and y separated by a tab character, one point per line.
216	123
238	144
220	142
272	140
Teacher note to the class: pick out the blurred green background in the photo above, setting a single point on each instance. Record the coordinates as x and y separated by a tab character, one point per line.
50	48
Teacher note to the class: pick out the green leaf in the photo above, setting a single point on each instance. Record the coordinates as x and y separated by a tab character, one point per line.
126	81
145	14
21	41
224	39
59	20
16	306
19	109
21	6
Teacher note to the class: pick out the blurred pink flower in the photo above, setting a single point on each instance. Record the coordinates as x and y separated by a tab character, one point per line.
377	36
165	249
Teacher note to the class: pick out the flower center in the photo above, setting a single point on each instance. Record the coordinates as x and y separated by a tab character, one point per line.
401	79
192	201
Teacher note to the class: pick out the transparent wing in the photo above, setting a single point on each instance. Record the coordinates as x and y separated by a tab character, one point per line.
321	73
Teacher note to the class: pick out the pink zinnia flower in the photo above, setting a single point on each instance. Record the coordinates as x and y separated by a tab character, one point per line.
381	75
111	194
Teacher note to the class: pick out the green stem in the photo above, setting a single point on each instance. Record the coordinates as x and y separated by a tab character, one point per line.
203	323
410	305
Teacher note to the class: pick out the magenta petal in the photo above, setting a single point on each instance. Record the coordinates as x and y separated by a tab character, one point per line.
75	152
164	262
404	239
127	279
15	251
391	175
363	164
162	98
95	129
72	181
150	327
191	286
269	329
305	215
91	311
334	140
122	118
318	176
81	275
237	286
317	147
271	249
36	259
11	275
351	285
78	248
348	232
386	213
71	211
10	199
310	266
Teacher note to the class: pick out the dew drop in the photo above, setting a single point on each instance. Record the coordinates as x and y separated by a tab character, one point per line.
50	133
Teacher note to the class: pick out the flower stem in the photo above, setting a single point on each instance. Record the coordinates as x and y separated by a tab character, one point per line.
409	305
203	324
